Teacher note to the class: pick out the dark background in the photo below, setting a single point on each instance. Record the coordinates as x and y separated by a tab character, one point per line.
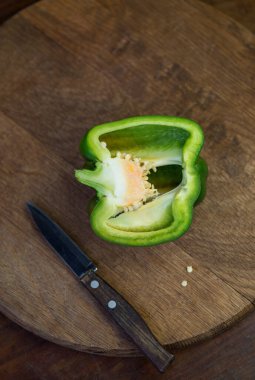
228	356
242	11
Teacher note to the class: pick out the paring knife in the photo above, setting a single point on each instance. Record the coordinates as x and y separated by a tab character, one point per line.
117	307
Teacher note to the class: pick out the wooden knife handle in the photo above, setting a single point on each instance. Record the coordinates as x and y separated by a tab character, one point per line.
128	318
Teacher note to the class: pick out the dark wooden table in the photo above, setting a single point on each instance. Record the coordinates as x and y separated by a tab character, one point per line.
228	356
225	357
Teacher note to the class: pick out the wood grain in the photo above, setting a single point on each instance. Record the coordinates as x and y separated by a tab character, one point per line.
10	7
57	91
242	11
58	308
228	356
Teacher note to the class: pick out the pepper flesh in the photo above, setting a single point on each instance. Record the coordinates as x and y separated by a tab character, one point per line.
148	176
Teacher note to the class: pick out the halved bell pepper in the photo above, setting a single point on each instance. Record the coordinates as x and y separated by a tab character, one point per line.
148	175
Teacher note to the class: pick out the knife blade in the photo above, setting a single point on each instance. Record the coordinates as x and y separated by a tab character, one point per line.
77	261
84	268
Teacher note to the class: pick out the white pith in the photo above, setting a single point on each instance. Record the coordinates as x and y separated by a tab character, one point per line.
125	198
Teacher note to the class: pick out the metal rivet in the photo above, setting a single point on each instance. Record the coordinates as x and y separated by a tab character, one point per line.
94	284
112	304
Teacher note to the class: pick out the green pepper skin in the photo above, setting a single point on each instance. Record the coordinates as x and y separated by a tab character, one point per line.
165	140
203	172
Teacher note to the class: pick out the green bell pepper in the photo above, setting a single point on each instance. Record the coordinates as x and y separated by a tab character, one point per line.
148	176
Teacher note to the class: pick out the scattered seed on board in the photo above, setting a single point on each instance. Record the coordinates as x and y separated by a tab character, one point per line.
189	269
184	283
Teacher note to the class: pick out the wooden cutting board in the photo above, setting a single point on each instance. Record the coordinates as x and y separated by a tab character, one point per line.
67	65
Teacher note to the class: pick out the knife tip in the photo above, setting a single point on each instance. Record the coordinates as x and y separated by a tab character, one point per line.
30	206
